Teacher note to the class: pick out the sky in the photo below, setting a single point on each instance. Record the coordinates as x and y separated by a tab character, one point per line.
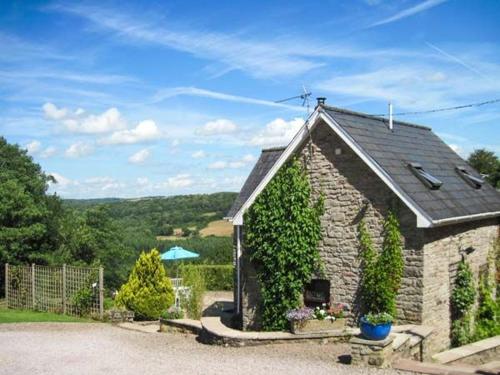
149	98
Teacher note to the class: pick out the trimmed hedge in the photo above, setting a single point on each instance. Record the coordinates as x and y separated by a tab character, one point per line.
217	277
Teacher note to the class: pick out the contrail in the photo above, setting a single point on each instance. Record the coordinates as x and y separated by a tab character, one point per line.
456	59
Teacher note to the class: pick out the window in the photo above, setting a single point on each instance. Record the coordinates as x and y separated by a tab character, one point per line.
429	180
473	181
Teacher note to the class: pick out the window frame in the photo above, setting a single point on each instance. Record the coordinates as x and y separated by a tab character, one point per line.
476	182
425	177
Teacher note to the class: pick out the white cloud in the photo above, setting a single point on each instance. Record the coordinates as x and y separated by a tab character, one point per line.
258	58
175	143
427	4
61	181
235	164
33	147
200	154
277	133
79	149
54	113
218	127
218	165
142	181
248	158
145	131
48	152
179	181
140	156
413	85
80	122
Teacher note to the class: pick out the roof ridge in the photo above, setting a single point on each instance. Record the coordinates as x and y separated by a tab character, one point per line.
366	115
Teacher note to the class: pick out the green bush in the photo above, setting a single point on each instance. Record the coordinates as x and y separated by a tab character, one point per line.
217	277
173	313
193	304
148	291
463	296
487	322
464	292
381	273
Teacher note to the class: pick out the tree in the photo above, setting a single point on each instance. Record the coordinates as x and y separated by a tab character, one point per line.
148	291
29	218
487	163
93	238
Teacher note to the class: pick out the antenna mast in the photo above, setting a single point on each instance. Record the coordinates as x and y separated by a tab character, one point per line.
304	96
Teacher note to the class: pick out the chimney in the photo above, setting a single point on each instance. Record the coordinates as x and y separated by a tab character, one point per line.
321	100
390	117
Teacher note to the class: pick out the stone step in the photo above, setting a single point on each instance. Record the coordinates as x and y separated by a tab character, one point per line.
400	340
492	367
433	368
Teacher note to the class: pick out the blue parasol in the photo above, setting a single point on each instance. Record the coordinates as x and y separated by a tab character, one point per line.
178	252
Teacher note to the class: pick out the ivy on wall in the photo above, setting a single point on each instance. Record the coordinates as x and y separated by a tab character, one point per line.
282	231
381	274
462	301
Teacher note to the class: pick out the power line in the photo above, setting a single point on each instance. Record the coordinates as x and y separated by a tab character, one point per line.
442	109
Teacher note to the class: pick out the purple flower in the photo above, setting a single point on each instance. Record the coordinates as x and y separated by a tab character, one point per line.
302	314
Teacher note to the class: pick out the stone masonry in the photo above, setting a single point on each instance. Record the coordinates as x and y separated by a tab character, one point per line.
352	192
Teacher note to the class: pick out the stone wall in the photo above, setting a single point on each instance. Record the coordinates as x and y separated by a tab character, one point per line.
353	192
443	250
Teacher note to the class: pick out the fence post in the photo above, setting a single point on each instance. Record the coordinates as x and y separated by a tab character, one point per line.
7	283
101	293
33	284
64	288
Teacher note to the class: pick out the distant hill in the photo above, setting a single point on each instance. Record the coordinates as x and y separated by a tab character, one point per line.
160	215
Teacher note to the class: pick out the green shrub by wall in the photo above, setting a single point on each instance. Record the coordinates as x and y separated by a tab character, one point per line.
193	304
217	277
148	291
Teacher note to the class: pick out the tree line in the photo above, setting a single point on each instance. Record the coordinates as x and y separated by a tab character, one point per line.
38	227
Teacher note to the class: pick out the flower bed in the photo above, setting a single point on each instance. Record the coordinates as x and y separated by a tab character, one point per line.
320	319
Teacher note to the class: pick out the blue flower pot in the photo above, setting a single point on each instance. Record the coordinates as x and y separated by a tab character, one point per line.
374	332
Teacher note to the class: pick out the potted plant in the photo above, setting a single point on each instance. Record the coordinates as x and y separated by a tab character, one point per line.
320	319
376	326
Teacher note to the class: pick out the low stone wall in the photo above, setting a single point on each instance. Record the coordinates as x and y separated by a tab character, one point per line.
119	316
477	353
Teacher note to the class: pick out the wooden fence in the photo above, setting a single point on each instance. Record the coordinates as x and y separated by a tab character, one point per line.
65	289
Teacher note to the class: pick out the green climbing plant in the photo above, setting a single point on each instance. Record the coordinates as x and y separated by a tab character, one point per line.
282	231
381	272
462	301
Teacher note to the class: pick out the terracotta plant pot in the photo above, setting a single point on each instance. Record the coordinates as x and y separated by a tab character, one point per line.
315	325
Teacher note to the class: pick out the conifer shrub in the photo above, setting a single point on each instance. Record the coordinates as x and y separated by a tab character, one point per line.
381	273
148	291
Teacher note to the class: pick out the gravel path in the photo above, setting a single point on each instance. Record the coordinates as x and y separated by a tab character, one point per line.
75	348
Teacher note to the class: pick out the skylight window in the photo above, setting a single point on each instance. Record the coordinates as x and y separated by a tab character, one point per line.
428	180
473	181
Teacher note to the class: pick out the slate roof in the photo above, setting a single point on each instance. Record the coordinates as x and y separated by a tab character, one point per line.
407	143
393	151
266	160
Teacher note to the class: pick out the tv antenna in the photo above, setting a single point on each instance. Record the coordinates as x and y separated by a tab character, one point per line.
304	96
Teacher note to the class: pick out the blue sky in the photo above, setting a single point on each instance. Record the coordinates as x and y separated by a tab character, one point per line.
124	99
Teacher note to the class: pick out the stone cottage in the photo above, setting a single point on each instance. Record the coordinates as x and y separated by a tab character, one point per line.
364	166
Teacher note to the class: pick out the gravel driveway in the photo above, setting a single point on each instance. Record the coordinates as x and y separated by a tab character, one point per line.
75	348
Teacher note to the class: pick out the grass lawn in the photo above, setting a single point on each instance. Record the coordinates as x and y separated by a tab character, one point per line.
24	316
